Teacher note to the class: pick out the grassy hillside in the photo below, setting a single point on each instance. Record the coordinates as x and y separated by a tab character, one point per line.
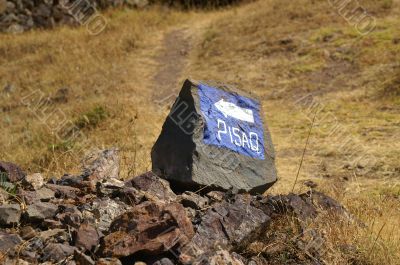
301	58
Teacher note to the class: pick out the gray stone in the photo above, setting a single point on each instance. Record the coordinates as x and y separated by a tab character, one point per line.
15	29
45	194
83	259
10	214
181	155
108	261
8	241
49	234
57	252
34	181
39	211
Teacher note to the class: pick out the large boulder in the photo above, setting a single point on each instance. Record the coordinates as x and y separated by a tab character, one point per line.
215	137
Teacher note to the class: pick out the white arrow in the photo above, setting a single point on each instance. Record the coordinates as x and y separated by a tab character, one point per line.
230	109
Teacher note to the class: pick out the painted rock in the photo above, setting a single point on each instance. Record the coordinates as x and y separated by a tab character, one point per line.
215	138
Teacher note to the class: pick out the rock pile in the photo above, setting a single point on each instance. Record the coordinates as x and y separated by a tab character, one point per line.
97	218
20	15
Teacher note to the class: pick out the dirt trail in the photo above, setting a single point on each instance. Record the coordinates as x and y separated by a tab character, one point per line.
171	60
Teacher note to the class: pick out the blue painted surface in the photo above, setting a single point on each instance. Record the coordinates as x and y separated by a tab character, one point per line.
232	122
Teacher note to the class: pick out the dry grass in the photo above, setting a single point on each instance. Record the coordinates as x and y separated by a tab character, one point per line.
279	50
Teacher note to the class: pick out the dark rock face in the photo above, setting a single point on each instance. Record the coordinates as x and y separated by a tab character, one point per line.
9	214
226	225
184	156
148	227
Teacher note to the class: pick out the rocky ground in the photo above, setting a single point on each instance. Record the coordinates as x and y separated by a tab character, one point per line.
97	218
20	15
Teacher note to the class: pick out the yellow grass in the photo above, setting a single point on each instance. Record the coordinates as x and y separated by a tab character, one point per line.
280	51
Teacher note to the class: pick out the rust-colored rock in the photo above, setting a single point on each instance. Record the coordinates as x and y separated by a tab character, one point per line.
149	227
154	187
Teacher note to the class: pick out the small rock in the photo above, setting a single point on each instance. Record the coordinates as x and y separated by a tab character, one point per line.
53	233
39	211
8	241
64	192
164	261
258	261
311	184
27	232
140	263
86	237
193	200
57	252
109	186
83	259
70	215
227	225
216	196
10	214
101	164
61	95
130	196
106	210
34	181
219	257
52	224
45	194
154	187
293	203
14	172
108	261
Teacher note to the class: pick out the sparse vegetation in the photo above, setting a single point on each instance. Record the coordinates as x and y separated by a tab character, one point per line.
92	118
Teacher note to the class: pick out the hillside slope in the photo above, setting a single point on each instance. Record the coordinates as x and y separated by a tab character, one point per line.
302	59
